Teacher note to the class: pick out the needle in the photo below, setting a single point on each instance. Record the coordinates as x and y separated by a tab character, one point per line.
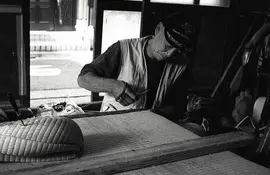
143	92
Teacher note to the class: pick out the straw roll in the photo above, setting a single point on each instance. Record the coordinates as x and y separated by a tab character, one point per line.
42	139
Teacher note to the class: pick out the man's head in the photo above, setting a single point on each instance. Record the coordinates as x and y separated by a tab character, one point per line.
177	33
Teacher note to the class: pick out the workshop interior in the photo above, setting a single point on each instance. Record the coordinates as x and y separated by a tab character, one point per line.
226	126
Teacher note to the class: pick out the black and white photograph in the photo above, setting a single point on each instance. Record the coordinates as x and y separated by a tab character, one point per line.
135	87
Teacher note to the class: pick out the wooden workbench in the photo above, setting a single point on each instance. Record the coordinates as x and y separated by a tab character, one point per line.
145	143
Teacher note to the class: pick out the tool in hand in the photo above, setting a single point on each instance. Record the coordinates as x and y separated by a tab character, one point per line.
143	92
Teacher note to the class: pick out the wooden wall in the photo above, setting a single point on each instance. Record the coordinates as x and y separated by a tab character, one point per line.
11	73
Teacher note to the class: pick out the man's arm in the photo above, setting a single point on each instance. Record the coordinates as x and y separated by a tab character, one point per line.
95	83
100	76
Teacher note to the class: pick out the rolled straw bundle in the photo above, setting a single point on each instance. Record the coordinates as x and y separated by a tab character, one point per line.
42	139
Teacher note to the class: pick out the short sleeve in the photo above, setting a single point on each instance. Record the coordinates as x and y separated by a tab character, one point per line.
105	65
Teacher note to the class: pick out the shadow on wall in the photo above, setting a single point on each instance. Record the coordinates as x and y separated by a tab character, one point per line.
210	48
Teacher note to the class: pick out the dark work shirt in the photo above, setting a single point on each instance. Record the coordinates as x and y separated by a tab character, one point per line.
154	70
107	64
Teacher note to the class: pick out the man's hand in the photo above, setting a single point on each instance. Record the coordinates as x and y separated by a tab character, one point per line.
127	96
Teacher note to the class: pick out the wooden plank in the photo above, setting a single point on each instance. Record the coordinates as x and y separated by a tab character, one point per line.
97	113
226	163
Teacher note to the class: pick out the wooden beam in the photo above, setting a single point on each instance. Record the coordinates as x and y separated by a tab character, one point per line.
145	17
97	113
150	156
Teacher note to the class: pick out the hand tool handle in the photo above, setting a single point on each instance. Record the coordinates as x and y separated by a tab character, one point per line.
13	102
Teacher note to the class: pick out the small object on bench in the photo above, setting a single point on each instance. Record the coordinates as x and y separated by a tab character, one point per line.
59	109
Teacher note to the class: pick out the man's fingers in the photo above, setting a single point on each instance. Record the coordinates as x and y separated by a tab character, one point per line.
130	93
132	96
127	96
123	100
126	100
129	100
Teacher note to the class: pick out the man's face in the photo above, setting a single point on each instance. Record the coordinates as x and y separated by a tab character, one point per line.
162	49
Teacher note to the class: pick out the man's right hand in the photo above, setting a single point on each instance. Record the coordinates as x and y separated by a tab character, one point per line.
126	96
121	91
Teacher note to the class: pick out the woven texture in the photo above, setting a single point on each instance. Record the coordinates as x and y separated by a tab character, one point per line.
42	139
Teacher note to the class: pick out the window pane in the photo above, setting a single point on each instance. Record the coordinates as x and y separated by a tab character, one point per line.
119	25
220	3
174	1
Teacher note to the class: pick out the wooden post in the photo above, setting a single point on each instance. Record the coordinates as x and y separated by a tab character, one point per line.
146	11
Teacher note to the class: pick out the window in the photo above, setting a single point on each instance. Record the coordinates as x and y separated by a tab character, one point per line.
119	25
218	3
174	1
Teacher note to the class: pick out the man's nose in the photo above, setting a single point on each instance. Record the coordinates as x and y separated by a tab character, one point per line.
171	52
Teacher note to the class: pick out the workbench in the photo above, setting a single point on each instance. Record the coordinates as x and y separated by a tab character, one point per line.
142	142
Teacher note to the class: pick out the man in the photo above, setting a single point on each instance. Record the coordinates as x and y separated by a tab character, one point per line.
148	72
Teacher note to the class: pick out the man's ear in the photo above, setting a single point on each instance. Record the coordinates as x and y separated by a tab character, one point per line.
158	27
